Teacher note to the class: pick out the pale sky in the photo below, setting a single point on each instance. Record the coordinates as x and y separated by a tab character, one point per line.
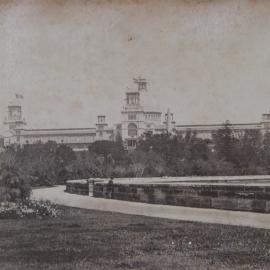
207	60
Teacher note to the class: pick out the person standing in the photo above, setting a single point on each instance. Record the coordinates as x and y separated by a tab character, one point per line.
110	188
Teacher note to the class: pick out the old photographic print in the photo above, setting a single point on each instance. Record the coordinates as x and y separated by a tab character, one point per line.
134	134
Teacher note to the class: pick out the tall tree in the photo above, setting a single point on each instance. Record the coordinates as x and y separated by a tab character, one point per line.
225	143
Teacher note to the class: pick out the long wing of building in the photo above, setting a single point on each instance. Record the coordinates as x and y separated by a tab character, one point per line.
136	119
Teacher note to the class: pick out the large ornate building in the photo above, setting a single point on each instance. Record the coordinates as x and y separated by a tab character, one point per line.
137	119
78	138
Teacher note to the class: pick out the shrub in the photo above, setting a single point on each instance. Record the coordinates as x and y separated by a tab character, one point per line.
38	208
29	208
13	187
8	210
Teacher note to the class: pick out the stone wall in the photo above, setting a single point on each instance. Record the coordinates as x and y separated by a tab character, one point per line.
80	187
255	198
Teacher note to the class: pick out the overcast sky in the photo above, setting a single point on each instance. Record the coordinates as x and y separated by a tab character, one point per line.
207	60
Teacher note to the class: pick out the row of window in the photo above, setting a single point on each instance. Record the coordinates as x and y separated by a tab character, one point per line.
148	116
132	100
151	116
131	116
61	139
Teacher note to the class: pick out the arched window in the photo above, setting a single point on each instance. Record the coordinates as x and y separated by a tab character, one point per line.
132	130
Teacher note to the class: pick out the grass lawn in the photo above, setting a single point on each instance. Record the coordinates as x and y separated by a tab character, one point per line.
84	239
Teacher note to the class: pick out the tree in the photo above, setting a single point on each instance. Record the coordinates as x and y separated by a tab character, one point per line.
146	163
108	149
225	143
13	187
1	142
164	144
45	163
85	166
248	152
264	153
64	156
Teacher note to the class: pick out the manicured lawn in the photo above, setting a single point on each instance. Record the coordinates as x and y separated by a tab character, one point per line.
83	239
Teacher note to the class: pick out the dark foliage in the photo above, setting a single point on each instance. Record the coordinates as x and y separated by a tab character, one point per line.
13	186
228	153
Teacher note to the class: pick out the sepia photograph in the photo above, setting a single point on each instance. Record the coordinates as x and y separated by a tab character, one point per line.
134	134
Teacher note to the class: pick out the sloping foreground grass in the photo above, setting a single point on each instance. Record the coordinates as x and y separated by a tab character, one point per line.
83	239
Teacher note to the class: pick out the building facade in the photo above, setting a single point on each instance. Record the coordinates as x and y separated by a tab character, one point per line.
77	138
136	120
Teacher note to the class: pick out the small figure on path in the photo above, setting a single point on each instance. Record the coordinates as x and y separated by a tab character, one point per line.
110	188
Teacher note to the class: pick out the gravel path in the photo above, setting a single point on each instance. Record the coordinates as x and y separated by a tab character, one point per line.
57	195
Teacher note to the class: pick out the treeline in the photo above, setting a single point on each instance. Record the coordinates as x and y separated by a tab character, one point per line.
227	153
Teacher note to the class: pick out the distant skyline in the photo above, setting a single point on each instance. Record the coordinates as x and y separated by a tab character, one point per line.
208	61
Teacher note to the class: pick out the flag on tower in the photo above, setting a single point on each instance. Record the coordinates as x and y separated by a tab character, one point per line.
142	84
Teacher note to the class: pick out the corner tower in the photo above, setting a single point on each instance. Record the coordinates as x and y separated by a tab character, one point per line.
14	119
101	125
